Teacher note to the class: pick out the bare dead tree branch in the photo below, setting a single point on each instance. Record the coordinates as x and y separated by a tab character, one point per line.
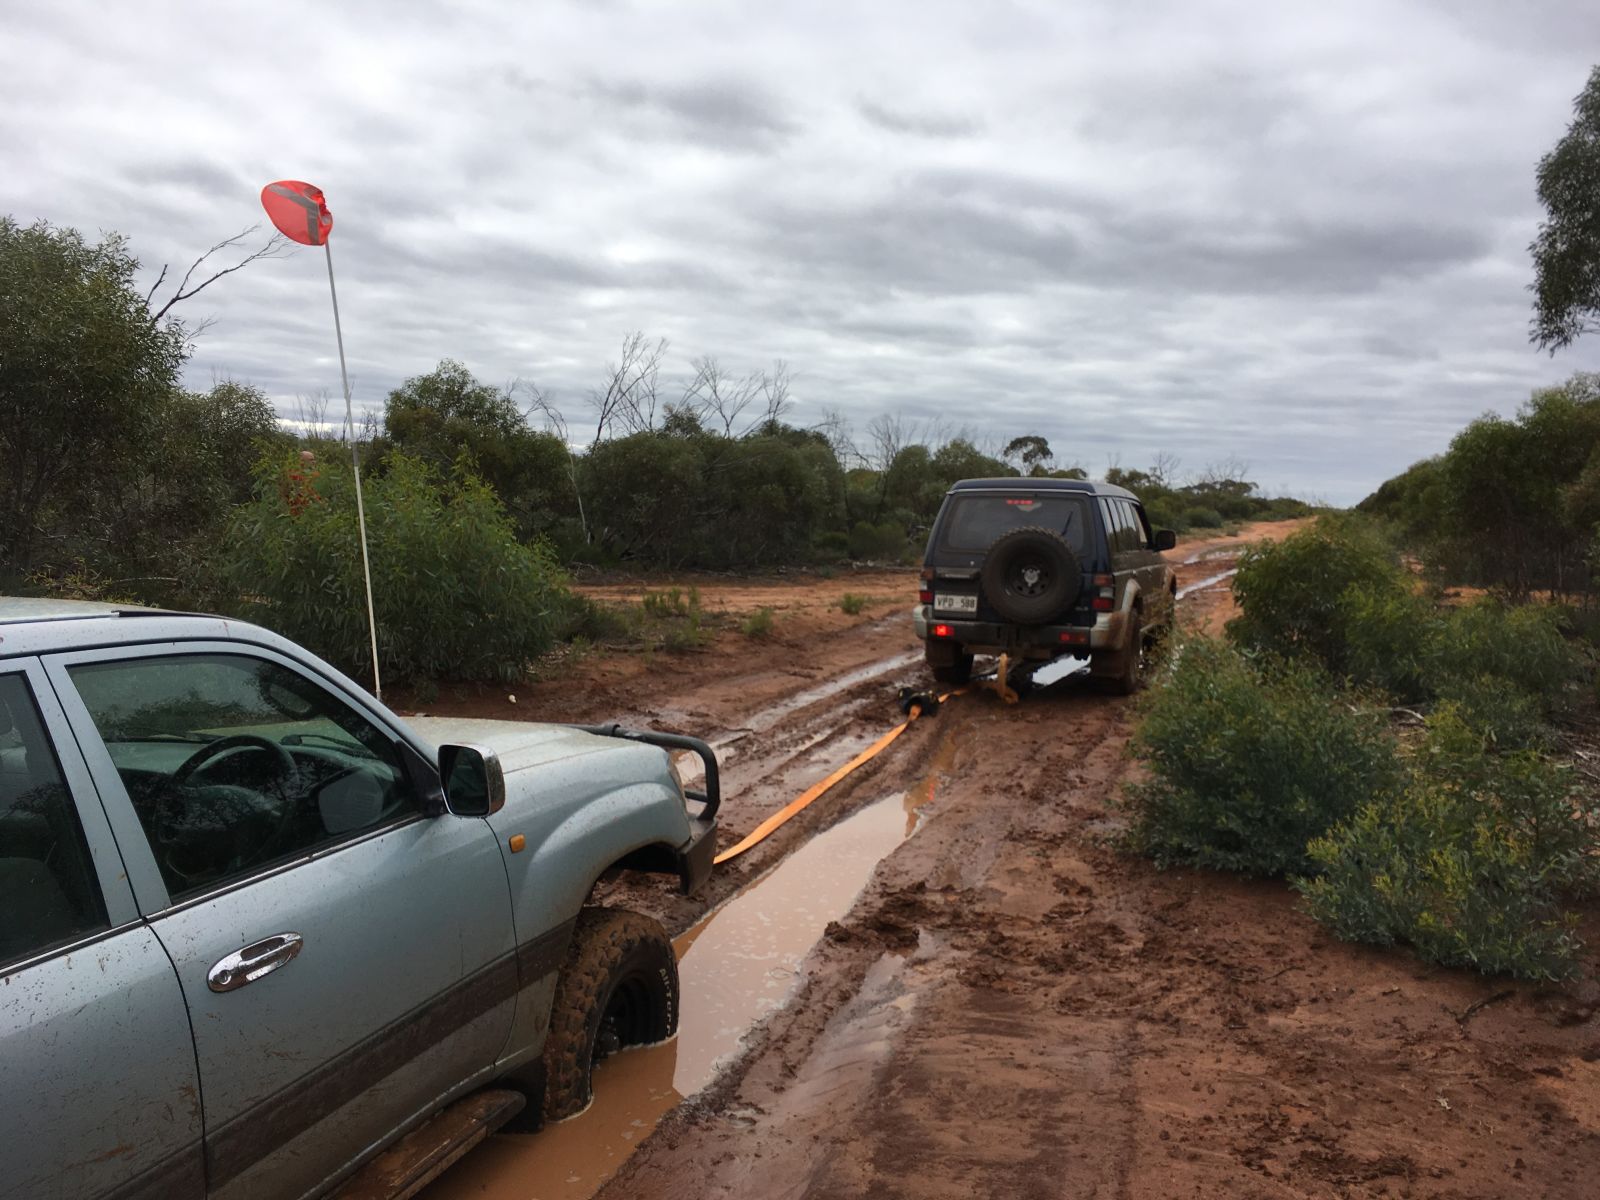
543	404
275	246
628	395
775	392
156	286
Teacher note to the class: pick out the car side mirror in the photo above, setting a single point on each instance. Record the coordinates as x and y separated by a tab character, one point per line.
474	784
1165	539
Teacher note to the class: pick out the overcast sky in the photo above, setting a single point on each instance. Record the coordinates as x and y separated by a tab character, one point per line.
1294	235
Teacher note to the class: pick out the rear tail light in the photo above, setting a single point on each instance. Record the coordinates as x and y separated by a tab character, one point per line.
925	596
1073	637
943	631
1105	597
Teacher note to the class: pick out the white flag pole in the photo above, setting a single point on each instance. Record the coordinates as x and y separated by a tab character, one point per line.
355	460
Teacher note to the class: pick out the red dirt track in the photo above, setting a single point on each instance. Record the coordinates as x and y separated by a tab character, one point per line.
1014	1007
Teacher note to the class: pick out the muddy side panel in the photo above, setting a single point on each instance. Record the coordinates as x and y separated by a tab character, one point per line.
100	1096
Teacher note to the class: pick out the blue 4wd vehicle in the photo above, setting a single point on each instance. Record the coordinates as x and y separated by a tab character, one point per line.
257	929
1036	568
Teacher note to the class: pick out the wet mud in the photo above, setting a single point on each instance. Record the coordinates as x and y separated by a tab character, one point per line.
1012	1005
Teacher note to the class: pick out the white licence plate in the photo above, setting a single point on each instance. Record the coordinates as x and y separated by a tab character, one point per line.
965	604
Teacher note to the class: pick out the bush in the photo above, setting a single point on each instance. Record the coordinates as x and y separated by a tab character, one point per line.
455	594
1202	518
1521	644
758	624
852	603
1249	762
877	543
1293	597
1467	863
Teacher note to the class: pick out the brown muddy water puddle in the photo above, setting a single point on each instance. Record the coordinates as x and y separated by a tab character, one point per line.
1200	585
736	965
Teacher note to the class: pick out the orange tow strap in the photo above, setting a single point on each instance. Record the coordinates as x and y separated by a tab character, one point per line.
788	811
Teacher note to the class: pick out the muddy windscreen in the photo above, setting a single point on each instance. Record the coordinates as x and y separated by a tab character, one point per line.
974	522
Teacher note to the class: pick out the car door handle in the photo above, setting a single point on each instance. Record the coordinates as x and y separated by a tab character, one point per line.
254	961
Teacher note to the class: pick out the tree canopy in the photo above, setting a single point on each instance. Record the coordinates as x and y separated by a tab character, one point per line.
1566	252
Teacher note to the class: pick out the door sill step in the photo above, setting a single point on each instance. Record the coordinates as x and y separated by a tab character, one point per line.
420	1157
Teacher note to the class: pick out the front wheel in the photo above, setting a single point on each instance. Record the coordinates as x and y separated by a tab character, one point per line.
618	987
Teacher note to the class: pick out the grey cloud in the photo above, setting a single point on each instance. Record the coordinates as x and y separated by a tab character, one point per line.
918	124
724	114
1298	238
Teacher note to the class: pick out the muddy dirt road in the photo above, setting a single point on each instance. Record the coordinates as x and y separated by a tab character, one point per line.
944	980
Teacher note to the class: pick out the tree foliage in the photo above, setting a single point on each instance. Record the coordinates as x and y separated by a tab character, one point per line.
85	375
456	594
1513	504
1566	251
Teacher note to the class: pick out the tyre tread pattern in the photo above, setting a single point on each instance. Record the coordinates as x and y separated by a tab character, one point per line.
603	942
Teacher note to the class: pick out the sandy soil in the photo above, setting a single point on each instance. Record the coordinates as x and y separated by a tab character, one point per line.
1013	1007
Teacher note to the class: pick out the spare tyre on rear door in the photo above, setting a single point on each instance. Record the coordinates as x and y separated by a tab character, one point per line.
1030	575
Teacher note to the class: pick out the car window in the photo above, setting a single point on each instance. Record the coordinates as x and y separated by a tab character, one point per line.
48	892
1116	536
974	522
1136	538
235	762
1141	526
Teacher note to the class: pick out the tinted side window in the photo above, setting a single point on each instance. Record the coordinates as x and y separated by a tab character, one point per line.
234	762
1117	531
48	892
1136	529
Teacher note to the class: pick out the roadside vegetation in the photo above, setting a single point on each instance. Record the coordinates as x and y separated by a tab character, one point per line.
481	500
1414	767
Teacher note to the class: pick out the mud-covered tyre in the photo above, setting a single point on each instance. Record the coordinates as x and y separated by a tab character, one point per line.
948	662
1127	663
1030	575
618	987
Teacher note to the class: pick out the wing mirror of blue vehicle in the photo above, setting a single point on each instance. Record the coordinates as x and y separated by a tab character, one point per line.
1165	539
474	784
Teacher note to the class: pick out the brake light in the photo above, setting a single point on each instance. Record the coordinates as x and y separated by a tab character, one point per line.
1105	598
925	596
943	631
1074	637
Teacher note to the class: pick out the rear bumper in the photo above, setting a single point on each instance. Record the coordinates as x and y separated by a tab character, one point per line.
1107	633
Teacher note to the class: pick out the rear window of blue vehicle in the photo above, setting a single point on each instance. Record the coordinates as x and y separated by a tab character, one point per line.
973	522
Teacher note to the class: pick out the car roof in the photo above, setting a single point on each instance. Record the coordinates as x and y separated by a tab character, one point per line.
1018	483
44	608
38	625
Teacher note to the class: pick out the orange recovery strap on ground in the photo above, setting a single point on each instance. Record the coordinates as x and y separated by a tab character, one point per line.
780	818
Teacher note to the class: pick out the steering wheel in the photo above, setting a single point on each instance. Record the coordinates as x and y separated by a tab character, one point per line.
221	746
170	823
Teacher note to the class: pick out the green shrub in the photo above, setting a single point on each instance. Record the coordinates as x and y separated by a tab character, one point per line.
1292	594
832	547
456	595
852	603
885	542
1202	518
1390	634
1468	863
758	624
1521	644
1248	762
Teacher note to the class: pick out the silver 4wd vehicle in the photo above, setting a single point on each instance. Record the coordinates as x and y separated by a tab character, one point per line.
1036	568
256	928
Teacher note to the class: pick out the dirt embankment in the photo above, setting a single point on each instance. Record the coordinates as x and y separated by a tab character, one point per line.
1014	1007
